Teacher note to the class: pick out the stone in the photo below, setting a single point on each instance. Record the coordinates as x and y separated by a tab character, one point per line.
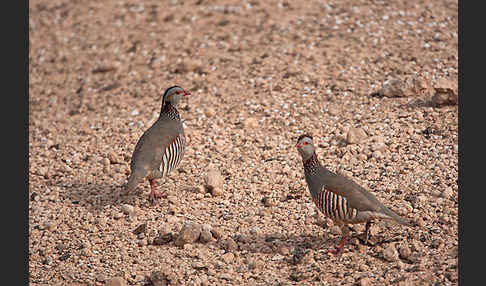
214	182
445	92
365	281
114	158
250	122
229	244
189	233
355	135
127	209
335	230
206	236
378	146
447	193
217	233
392	88
159	278
163	238
390	253
404	251
228	257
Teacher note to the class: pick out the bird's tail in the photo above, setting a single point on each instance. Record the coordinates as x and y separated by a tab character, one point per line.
397	218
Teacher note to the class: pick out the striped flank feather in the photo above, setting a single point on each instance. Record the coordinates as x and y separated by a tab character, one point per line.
172	155
334	206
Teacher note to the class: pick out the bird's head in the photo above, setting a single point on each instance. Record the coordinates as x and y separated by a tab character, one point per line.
305	146
173	94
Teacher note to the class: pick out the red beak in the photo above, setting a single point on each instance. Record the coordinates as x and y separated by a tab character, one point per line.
186	93
298	145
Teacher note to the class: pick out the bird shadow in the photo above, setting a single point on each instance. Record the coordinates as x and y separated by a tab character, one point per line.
95	197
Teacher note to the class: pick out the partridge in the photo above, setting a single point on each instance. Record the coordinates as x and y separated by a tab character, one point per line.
161	147
340	198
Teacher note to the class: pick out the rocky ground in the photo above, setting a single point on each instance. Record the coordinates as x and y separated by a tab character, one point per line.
375	82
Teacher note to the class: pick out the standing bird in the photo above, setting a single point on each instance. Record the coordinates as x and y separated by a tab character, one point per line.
161	147
338	197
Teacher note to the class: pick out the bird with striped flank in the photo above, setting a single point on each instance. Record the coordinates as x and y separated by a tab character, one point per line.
340	198
161	147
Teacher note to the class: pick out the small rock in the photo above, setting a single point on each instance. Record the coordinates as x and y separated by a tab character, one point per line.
390	253
377	154
445	92
283	250
135	112
250	122
205	236
268	202
355	135
217	233
447	193
210	112
163	238
365	281
404	251
127	209
214	182
116	281
229	244
159	278
228	257
189	233
392	88
140	229
378	146
335	230
256	265
50	225
113	158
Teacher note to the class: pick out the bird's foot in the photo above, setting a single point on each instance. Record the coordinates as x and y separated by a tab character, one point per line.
156	195
335	252
340	247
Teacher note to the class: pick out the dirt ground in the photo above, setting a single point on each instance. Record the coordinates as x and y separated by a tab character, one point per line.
261	73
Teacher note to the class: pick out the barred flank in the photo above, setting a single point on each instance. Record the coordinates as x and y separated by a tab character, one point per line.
334	206
172	155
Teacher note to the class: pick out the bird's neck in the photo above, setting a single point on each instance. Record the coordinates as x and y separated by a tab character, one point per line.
312	164
170	111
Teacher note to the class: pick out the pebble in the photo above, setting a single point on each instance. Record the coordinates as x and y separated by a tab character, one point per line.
116	281
355	135
214	182
335	230
229	244
189	233
217	233
447	193
250	122
390	253
205	236
392	88
404	251
228	257
127	209
365	281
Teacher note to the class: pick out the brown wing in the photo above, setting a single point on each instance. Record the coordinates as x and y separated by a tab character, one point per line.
357	196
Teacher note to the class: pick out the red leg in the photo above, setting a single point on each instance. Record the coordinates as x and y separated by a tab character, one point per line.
153	193
340	246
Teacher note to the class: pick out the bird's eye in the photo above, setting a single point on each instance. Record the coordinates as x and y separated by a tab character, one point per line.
178	92
306	143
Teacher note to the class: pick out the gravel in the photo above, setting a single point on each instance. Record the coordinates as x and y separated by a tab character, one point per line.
261	73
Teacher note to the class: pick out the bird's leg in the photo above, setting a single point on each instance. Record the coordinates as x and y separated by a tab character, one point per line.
153	193
344	239
340	246
367	231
